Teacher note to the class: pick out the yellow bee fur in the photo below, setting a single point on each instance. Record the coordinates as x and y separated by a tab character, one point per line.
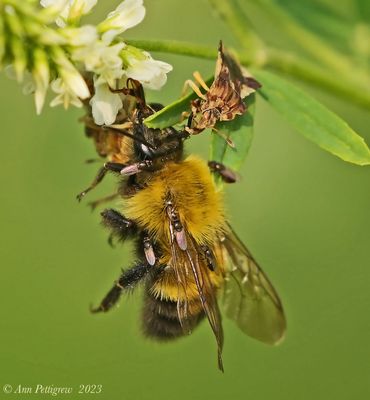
189	186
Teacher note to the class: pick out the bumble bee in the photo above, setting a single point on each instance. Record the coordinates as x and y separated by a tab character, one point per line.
187	253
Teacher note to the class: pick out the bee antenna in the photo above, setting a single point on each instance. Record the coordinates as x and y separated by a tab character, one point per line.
133	137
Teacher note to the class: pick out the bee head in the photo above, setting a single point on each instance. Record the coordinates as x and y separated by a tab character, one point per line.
165	144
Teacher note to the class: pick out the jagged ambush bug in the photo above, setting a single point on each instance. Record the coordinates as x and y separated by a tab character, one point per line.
223	100
187	253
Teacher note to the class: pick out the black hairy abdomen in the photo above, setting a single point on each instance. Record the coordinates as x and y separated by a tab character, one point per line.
160	320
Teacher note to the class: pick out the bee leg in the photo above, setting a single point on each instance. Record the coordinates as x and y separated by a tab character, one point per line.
134	169
92	160
209	257
225	173
177	135
126	281
109	166
121	227
149	251
98	202
156	106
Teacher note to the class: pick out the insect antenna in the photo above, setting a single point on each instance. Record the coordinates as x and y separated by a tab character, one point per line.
130	135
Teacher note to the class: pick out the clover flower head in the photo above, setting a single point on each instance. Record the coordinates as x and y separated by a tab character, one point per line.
70	58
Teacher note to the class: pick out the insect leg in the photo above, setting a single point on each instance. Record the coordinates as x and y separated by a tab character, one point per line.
92	160
135	168
128	280
177	135
225	173
194	87
224	137
98	202
121	227
156	106
198	77
109	166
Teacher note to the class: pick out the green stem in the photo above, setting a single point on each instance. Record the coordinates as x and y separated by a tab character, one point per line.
175	47
187	49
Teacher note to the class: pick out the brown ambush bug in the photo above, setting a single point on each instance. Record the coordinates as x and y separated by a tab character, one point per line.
223	100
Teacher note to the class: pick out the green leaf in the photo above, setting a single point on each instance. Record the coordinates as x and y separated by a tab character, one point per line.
240	131
312	119
173	113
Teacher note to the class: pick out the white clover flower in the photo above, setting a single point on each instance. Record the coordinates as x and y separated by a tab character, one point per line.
128	14
73	83
77	8
54	4
105	105
151	73
78	37
41	76
69	11
57	9
51	37
102	60
65	95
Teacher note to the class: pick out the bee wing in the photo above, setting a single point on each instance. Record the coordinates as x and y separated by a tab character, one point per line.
207	295
249	297
185	261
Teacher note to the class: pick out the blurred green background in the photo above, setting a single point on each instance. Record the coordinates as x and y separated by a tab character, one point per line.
304	213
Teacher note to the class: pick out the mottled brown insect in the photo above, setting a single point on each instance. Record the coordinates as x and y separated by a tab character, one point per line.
223	100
